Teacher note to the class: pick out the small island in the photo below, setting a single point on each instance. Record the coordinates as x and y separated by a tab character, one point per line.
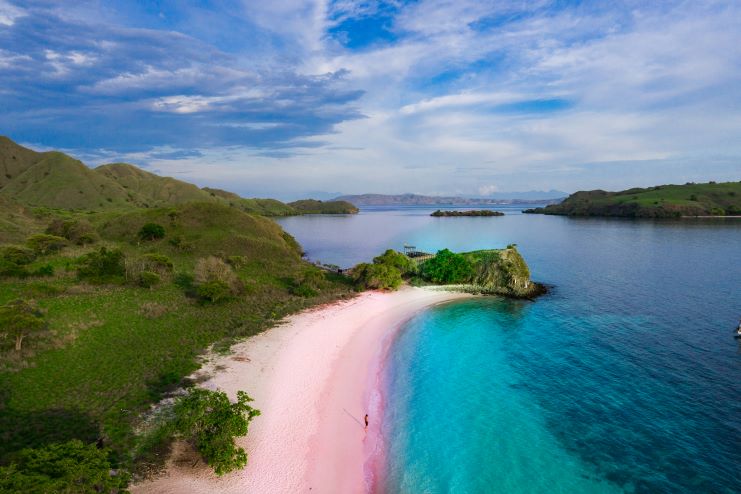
476	212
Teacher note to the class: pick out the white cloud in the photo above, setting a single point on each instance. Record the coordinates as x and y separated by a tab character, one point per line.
9	13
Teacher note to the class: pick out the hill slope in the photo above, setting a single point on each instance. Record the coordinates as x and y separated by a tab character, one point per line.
312	206
662	201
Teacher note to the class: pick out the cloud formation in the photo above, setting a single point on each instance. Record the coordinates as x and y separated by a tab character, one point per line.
361	96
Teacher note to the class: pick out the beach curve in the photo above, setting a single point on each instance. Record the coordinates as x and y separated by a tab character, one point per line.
314	378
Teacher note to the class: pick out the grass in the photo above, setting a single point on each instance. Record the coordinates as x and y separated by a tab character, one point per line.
690	199
113	350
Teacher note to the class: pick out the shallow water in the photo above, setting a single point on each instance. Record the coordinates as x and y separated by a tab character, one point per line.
625	378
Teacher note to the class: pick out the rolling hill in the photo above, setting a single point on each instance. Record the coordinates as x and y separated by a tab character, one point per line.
661	201
58	181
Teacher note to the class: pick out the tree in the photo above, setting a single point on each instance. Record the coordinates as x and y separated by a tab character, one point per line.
43	244
397	260
67	468
101	265
19	319
152	231
216	280
211	422
448	267
376	276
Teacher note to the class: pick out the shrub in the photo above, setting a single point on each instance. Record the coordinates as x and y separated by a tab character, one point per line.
20	319
8	269
158	262
70	467
17	255
148	279
693	197
45	270
215	279
376	276
43	244
101	265
214	291
447	267
397	260
237	261
184	281
152	231
79	232
718	211
211	422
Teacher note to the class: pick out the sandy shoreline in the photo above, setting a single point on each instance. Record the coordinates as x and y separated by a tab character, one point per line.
313	378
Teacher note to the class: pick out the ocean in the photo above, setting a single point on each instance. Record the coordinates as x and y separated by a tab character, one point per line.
624	378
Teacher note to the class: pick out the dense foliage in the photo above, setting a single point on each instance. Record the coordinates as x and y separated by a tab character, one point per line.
67	468
397	260
312	206
44	244
20	319
152	231
101	266
447	267
211	422
376	277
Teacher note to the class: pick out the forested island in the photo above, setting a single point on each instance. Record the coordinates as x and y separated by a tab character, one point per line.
478	212
661	201
115	281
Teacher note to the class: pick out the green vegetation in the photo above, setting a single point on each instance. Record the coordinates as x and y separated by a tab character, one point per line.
447	268
662	201
53	180
479	212
211	422
311	206
67	468
151	231
376	277
116	323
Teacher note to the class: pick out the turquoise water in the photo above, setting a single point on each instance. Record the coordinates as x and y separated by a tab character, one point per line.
625	378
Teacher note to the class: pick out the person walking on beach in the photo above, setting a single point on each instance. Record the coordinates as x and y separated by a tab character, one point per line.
366	420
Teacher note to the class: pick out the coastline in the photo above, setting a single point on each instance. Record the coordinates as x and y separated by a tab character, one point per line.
314	378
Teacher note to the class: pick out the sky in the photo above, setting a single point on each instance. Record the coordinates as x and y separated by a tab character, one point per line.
298	98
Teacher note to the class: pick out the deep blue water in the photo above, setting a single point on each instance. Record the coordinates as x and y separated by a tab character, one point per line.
625	378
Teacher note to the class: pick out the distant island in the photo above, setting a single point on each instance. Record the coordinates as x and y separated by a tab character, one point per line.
476	212
422	200
661	201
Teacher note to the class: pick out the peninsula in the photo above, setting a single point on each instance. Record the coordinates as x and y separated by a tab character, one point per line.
661	201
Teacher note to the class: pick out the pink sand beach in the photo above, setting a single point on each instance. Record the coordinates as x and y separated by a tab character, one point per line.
314	378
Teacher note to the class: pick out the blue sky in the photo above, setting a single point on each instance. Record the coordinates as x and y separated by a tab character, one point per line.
287	98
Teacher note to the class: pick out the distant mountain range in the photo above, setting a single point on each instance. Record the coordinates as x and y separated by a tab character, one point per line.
422	200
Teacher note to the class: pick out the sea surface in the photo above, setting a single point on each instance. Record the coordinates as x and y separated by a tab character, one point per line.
624	378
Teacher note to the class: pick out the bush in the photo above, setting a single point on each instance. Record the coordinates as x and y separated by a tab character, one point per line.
79	232
216	280
148	279
447	267
397	260
70	467
211	422
158	262
152	231
237	262
17	255
20	319
8	269
43	244
101	265
214	291
376	276
718	211
45	270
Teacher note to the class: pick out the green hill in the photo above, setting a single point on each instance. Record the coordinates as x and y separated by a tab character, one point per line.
312	206
662	201
152	190
56	180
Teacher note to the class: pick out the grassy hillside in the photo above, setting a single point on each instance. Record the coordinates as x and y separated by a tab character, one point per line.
662	201
59	181
312	206
264	207
17	222
112	345
151	190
